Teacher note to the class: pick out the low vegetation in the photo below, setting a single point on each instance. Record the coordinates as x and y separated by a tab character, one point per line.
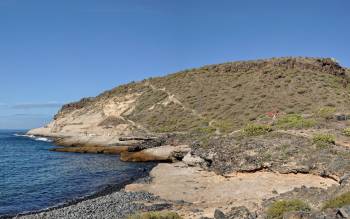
294	121
278	208
323	140
326	112
155	215
256	129
338	202
346	132
232	94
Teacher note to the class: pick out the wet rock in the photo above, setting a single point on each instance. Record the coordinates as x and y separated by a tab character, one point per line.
92	149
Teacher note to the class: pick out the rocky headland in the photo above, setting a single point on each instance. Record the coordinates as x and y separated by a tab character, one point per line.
254	139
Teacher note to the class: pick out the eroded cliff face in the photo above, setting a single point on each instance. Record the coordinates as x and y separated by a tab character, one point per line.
102	119
217	98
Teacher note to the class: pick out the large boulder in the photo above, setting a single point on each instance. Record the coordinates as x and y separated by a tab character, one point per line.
166	153
193	160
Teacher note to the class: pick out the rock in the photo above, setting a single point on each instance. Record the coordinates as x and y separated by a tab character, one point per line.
344	212
341	117
150	143
219	214
240	212
345	179
296	215
292	167
162	153
117	205
93	149
137	138
192	160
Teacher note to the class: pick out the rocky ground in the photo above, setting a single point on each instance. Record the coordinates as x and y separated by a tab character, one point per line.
225	176
207	191
117	205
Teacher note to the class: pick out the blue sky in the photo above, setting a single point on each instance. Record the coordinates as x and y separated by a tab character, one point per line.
53	52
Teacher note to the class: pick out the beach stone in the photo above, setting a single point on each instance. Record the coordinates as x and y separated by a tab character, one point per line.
117	205
192	160
218	214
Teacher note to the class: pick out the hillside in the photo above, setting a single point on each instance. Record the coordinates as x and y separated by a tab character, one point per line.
255	139
222	98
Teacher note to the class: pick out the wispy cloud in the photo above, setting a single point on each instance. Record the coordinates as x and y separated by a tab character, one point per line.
31	105
25	115
36	105
3	105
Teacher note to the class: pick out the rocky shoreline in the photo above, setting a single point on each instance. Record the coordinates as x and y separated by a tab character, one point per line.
109	190
203	185
116	205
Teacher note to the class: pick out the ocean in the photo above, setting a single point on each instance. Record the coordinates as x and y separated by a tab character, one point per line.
33	178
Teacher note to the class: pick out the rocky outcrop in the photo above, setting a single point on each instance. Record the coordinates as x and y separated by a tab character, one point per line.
162	153
93	149
240	212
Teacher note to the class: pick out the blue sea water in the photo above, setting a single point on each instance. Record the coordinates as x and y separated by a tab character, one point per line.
34	178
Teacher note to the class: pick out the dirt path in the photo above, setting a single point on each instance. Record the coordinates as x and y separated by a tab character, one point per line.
208	191
172	98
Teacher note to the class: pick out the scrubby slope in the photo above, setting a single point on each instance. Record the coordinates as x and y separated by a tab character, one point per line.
220	98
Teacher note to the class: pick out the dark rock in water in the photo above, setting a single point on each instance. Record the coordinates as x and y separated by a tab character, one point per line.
219	214
240	212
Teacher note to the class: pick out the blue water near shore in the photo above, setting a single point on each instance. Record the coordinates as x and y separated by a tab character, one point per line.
34	178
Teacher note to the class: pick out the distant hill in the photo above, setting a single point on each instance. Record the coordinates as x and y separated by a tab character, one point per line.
217	98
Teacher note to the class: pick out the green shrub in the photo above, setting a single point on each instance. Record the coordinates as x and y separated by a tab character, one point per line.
326	112
155	215
256	129
338	202
346	131
294	121
322	140
278	208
